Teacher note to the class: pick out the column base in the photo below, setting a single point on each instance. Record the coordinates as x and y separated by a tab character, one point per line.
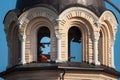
96	62
21	62
58	61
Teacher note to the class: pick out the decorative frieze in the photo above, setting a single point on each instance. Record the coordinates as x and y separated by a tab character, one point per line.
33	13
77	12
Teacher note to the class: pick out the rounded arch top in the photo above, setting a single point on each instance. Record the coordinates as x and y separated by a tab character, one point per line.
81	14
110	17
36	12
109	20
10	18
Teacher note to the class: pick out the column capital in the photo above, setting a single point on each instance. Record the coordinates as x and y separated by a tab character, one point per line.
58	21
59	36
96	37
22	37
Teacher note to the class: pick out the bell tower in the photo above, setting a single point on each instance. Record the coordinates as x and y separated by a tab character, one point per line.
60	40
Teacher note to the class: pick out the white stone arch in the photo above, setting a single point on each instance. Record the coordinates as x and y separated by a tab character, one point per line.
10	39
110	23
105	44
32	30
31	20
109	18
84	36
79	16
12	36
32	13
10	18
79	12
13	44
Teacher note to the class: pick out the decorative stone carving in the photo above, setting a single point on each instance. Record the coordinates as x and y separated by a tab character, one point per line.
109	21
95	50
33	13
77	12
78	15
109	18
10	17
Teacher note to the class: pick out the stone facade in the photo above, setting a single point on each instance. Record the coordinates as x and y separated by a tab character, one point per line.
58	75
93	29
98	36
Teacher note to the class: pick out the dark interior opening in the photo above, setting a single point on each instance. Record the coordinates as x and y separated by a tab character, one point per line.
74	45
43	47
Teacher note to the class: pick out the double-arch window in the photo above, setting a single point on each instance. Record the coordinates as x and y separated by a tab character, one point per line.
74	44
43	47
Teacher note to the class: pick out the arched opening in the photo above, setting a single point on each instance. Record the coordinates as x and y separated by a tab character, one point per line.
14	45
43	47
45	42
74	44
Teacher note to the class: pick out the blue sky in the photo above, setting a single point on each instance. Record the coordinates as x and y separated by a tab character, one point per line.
7	5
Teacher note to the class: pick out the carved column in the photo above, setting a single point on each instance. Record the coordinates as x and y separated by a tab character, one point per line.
95	50
95	42
23	39
58	36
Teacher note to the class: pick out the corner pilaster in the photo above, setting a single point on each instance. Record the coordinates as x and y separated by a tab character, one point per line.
22	39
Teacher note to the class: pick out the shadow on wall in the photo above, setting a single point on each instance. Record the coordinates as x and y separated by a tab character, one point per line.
1	79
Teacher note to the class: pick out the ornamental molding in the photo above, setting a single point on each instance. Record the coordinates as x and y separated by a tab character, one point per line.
109	18
33	13
10	17
74	12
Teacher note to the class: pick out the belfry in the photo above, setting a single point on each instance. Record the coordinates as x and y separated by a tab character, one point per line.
60	40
